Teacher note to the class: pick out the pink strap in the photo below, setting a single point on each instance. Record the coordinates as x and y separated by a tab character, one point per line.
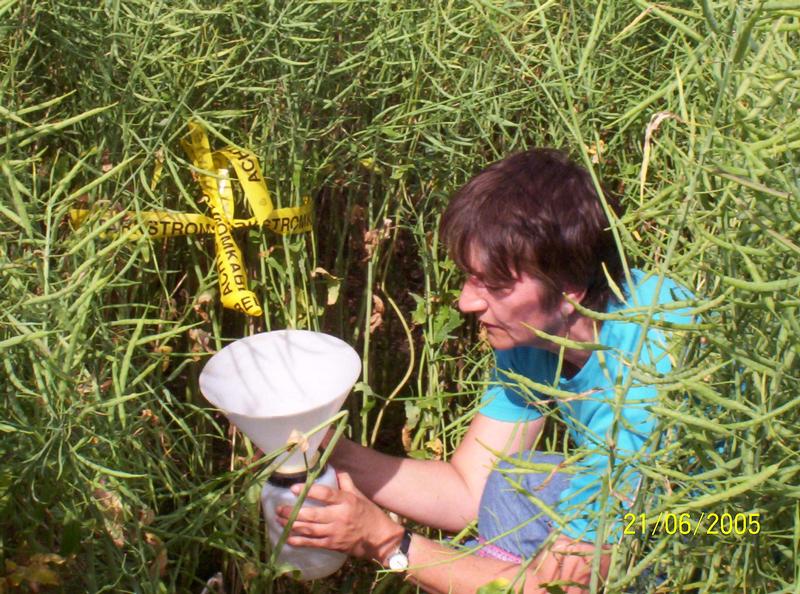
491	551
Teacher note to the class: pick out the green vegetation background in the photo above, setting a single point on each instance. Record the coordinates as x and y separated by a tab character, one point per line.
115	475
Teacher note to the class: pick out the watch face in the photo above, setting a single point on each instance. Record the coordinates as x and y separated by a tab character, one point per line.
398	561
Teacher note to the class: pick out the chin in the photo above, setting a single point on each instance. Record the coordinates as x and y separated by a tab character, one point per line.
501	343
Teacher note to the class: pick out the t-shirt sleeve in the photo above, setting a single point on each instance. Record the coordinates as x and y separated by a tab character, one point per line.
655	353
502	400
637	420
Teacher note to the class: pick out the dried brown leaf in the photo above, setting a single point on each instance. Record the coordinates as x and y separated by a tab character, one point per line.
356	214
158	567
165	351
249	573
146	516
332	283
201	304
106	164
111	507
296	438
436	448
199	342
376	319
405	438
596	151
374	237
47	558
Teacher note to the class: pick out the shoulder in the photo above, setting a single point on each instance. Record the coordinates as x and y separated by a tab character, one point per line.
649	288
670	300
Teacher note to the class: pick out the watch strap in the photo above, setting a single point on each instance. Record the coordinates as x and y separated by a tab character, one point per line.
405	542
398	560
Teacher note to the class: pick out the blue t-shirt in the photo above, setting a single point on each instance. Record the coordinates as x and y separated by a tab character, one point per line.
588	400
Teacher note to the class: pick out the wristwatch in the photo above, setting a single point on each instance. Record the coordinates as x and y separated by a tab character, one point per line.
398	560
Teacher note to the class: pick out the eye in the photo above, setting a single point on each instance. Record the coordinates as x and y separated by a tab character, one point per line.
495	287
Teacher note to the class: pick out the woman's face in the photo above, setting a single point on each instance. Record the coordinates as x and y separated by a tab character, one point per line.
508	312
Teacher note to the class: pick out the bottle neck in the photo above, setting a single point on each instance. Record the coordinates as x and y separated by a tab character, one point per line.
287	479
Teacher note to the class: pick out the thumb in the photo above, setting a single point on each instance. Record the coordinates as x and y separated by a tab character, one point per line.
346	483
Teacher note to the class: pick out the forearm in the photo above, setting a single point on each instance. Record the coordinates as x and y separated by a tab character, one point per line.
441	570
441	494
438	496
348	521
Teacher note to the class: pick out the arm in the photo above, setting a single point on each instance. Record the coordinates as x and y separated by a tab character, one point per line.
440	570
436	568
440	494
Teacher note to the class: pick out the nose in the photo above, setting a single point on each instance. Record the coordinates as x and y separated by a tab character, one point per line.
470	300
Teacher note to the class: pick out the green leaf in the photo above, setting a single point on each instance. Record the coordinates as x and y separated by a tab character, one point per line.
445	321
498	586
420	314
70	535
418	455
412	414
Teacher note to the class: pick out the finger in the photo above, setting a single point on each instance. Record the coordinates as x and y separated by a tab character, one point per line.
317	493
345	482
319	515
310	529
284	511
307	541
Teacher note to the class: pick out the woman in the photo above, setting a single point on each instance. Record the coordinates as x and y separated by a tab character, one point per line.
533	238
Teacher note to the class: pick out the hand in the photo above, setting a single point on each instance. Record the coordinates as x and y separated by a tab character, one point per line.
347	522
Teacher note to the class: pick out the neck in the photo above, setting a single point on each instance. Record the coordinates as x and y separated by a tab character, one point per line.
579	328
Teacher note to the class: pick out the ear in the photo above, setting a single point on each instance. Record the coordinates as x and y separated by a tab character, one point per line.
569	296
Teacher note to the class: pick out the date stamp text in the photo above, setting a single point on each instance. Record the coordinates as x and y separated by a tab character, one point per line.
698	523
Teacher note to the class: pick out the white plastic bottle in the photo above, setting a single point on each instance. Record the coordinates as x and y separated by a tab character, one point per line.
312	563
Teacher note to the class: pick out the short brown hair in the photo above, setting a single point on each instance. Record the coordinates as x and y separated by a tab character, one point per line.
535	212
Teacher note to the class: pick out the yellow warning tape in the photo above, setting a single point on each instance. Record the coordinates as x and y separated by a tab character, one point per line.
213	176
157	224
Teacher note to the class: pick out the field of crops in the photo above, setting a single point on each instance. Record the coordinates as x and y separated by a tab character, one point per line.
117	476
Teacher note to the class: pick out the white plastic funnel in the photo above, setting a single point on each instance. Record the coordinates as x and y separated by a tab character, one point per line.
274	384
